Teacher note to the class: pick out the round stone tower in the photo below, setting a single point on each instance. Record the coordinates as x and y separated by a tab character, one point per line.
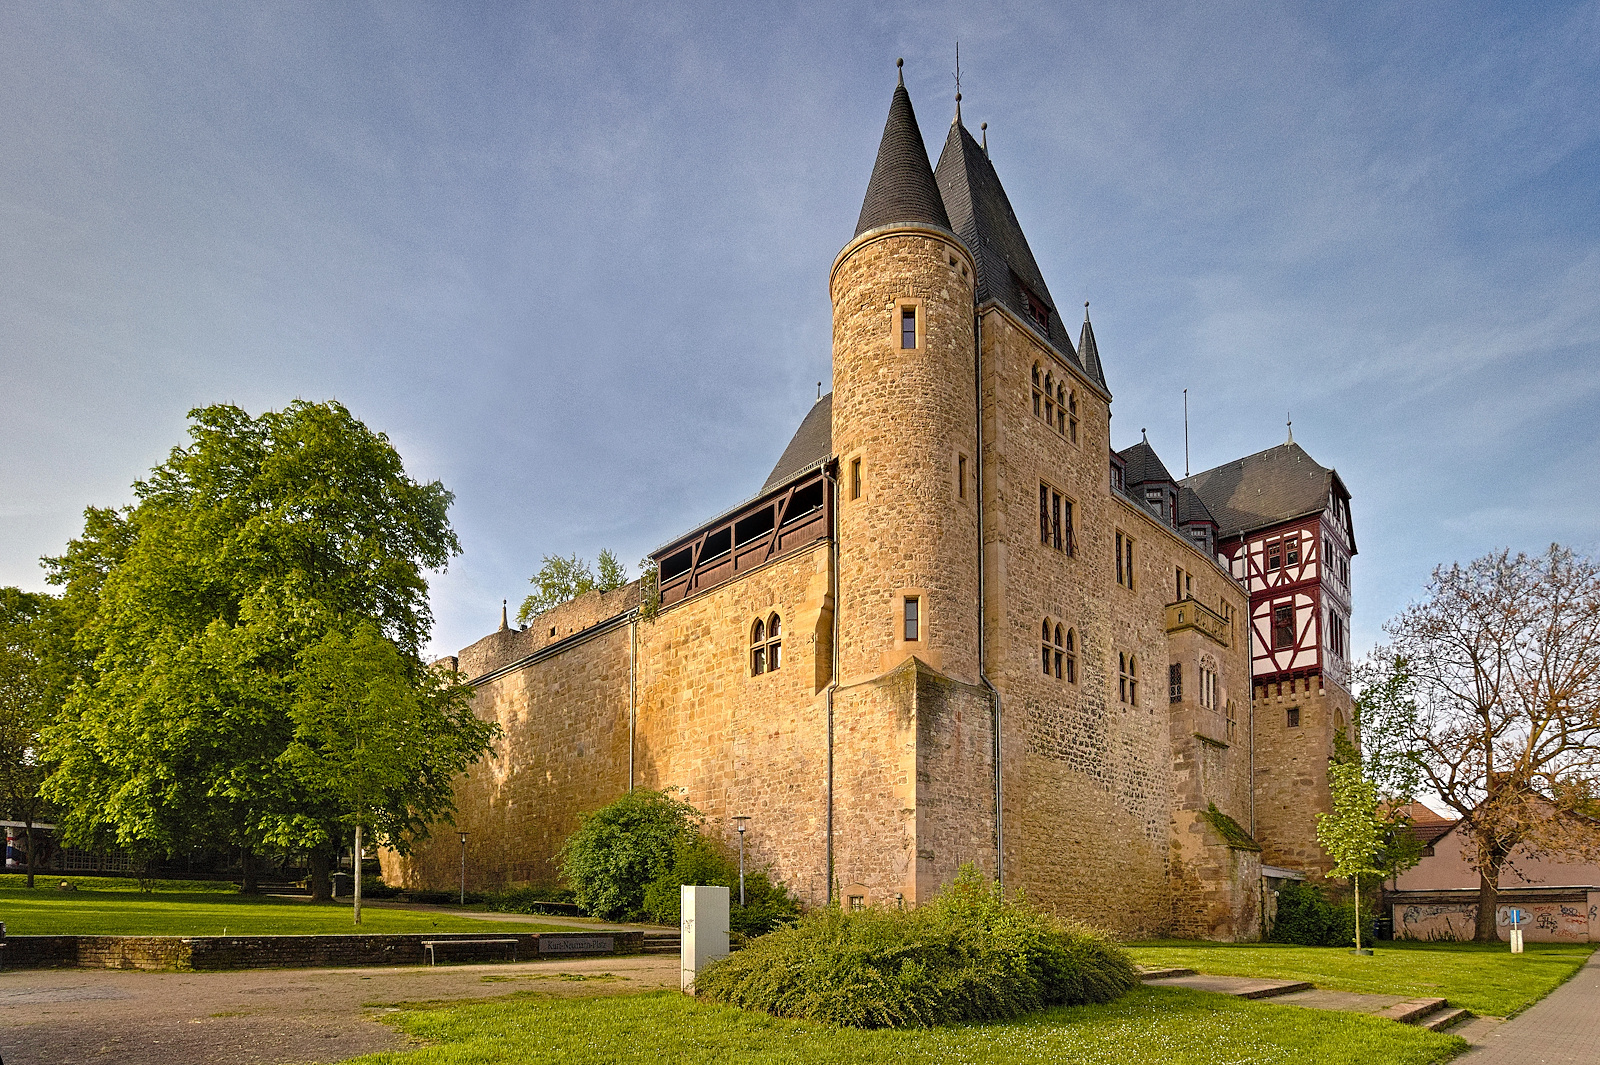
904	423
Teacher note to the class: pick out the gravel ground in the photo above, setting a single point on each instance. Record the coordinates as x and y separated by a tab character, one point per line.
265	1017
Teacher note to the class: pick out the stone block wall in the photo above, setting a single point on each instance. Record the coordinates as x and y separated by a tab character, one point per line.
1291	785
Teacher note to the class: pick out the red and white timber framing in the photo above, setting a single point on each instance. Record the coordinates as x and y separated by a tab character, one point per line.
1298	599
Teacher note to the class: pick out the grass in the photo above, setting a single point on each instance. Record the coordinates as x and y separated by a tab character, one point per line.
1144	1027
1484	978
108	906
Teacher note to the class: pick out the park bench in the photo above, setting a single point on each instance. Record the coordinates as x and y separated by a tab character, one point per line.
430	946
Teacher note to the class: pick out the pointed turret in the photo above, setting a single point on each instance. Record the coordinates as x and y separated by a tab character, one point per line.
1088	350
902	188
981	215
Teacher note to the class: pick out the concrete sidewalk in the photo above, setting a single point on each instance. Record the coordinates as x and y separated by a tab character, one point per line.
1563	1028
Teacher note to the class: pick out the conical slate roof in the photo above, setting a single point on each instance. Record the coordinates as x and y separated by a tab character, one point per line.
902	188
981	215
1089	351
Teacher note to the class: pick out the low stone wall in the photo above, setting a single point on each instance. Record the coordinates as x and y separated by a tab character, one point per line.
291	952
1559	915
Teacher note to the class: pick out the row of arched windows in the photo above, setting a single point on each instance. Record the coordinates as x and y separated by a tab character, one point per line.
766	645
1058	651
1055	403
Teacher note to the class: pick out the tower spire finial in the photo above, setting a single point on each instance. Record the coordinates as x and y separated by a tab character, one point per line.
983	127
900	70
503	621
1086	310
1289	421
958	83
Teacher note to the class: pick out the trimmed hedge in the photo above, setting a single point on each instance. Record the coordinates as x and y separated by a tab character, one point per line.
968	955
1306	917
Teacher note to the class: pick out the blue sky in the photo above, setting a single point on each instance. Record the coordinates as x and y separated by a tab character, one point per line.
573	258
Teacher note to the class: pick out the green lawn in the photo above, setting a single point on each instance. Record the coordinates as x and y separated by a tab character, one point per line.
105	906
1145	1027
1484	978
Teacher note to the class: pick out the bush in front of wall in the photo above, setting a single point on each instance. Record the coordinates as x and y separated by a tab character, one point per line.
698	860
1304	916
968	955
619	849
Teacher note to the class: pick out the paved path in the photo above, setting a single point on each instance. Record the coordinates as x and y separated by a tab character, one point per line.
265	1016
1563	1028
518	918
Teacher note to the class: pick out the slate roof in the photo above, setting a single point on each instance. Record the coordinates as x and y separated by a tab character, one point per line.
902	188
1089	351
1271	486
811	444
1191	508
981	215
1143	465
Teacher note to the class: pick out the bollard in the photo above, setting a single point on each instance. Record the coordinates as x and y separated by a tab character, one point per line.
703	931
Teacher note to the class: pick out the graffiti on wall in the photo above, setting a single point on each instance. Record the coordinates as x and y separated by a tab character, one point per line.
1542	922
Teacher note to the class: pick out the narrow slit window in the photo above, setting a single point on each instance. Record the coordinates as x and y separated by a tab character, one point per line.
961	476
1120	578
1122	676
908	327
1071	648
913	618
855	478
1055	520
1044	514
1044	654
1069	543
1060	652
1072	416
1133	680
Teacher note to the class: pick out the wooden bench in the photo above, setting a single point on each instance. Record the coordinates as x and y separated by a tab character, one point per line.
429	946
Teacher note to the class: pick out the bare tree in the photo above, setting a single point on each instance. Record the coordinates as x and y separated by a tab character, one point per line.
1504	657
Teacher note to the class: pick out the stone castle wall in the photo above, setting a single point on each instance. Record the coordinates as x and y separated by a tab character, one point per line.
1292	769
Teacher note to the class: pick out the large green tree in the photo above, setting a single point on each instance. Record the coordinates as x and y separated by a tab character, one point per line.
36	668
252	546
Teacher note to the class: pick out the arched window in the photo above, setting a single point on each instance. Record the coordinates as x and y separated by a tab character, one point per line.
1045	648
758	648
1052	655
1038	396
1049	400
1122	676
1071	649
1208	681
1072	416
1061	408
774	642
1133	680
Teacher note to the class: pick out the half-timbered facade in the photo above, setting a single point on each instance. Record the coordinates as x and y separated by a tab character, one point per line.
881	658
1285	533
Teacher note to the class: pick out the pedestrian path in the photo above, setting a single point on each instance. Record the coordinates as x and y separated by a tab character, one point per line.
1431	1013
1563	1028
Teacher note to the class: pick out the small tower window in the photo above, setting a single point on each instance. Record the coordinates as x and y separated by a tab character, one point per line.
908	327
913	618
855	478
1294	717
961	476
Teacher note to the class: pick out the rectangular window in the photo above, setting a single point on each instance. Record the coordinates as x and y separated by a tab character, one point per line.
1055	520
1120	578
1175	683
908	327
1177	594
1282	626
913	626
961	476
1188	586
1294	717
855	478
1044	514
1070	544
1291	550
1274	555
1127	551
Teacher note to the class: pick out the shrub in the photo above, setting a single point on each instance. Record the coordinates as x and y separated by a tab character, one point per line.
1304	916
1342	927
968	955
620	848
698	860
528	899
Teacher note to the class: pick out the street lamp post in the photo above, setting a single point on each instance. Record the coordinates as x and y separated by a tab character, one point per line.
463	836
741	827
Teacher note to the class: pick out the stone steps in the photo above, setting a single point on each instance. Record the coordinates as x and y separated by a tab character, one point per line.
1447	1018
662	943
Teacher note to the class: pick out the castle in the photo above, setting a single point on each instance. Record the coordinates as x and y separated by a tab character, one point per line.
954	625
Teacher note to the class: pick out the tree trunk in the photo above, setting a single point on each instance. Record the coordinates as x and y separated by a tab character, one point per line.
1488	902
250	884
357	899
28	835
321	881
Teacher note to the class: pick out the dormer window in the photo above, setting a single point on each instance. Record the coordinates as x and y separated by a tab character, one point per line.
908	327
1038	312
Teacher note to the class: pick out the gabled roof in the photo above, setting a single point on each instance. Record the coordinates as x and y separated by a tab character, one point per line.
1276	485
902	188
981	215
811	444
1143	465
